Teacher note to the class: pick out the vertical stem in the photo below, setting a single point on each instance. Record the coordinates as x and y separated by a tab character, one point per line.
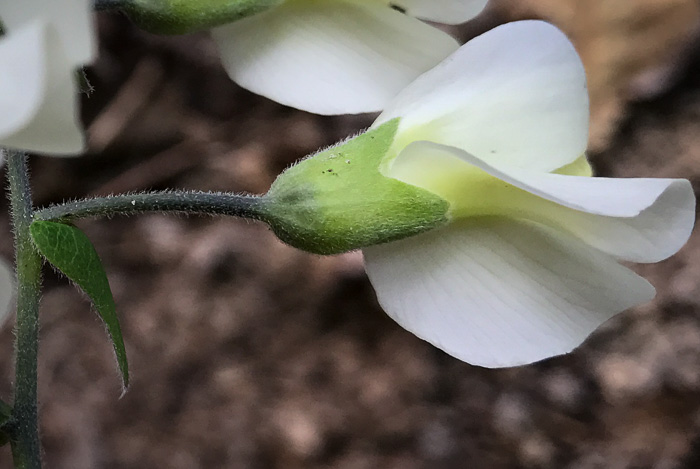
24	428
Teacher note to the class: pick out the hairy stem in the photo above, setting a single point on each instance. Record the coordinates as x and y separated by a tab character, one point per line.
190	202
24	430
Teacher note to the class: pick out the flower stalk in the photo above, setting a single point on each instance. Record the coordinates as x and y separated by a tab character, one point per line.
188	202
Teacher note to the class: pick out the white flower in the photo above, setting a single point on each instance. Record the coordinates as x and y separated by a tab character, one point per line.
44	42
527	268
339	56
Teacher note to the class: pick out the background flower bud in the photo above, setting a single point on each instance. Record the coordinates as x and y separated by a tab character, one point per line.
186	16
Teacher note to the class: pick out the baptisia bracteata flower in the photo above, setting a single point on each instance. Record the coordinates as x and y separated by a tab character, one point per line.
339	56
482	230
43	43
322	56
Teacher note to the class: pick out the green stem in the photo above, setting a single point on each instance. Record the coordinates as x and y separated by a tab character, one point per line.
24	430
190	202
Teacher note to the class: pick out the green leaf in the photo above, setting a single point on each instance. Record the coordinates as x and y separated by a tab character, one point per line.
70	251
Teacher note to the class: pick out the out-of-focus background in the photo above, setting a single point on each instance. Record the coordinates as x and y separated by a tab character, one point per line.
247	353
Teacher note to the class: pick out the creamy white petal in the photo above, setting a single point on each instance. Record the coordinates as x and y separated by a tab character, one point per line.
330	57
22	76
496	292
7	290
38	95
71	18
442	11
516	94
636	219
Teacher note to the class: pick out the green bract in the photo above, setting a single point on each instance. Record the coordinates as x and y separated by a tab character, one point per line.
338	200
186	16
71	252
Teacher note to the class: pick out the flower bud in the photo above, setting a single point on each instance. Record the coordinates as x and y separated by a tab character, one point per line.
338	200
186	16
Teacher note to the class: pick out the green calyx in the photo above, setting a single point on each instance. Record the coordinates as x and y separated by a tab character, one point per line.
187	16
338	200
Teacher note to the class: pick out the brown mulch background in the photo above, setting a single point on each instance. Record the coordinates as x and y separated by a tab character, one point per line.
247	353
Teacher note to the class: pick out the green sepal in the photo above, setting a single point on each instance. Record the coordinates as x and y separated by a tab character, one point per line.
339	200
71	252
187	16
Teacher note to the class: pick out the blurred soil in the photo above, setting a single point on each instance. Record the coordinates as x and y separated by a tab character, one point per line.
249	354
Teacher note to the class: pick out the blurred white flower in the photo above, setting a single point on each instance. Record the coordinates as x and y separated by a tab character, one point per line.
527	268
340	56
44	43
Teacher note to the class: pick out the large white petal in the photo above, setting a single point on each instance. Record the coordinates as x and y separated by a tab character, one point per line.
71	18
442	11
330	57
37	93
7	289
639	220
496	292
516	94
22	76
